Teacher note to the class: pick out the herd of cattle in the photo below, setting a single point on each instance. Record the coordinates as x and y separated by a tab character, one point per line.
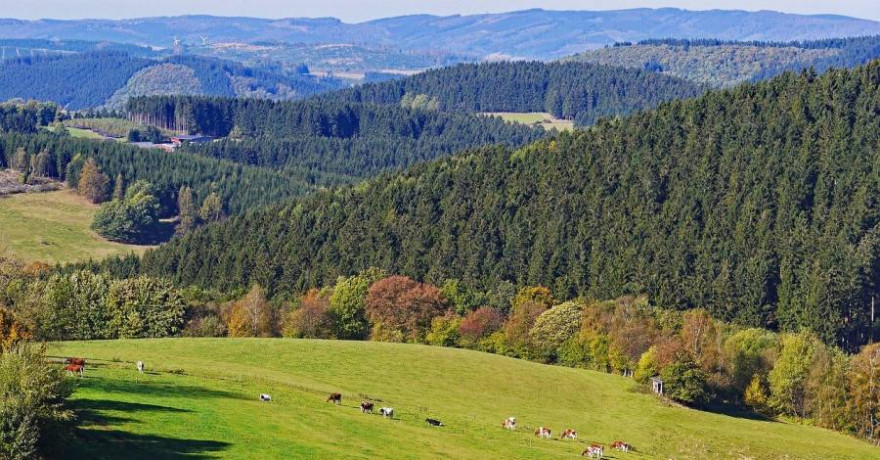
592	451
78	365
542	432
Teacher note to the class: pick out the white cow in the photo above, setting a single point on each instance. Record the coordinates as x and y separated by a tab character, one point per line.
265	398
509	423
387	412
140	366
594	451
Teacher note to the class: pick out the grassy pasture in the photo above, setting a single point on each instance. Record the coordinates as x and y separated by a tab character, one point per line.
199	399
544	119
53	227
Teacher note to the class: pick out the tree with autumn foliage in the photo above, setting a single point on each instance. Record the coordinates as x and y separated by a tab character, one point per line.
479	324
401	309
93	184
311	320
11	331
864	382
528	305
251	316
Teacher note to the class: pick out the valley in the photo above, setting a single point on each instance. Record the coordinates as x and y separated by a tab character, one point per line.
658	227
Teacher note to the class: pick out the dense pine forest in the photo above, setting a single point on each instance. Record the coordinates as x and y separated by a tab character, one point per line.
756	203
575	91
92	78
325	141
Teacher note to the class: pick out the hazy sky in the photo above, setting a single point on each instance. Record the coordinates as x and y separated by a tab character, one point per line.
355	11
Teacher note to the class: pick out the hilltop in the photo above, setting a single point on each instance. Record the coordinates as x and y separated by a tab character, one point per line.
531	34
199	397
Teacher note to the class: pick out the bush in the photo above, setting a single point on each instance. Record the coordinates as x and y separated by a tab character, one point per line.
130	220
684	381
554	327
444	330
32	396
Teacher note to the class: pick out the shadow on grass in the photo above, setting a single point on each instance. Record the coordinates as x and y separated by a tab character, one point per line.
115	444
731	410
88	411
94	437
152	388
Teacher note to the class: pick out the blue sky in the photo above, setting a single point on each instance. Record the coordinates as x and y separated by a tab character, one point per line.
361	10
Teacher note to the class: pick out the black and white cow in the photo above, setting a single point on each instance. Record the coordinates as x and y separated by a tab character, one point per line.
387	412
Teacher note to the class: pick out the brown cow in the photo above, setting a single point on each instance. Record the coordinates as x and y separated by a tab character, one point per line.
335	398
366	407
621	446
75	368
568	434
542	432
76	361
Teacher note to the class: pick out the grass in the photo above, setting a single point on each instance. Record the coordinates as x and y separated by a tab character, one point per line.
544	119
83	133
199	399
54	227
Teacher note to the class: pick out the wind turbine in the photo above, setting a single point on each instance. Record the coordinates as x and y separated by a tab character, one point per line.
204	39
177	49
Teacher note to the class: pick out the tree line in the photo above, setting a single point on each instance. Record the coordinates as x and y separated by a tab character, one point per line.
702	361
576	91
755	203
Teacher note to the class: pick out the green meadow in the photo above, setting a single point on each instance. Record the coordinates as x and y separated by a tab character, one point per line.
53	227
199	399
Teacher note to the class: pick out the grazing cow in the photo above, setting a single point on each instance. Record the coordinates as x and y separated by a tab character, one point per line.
568	434
265	398
140	366
335	398
509	423
543	432
387	412
76	361
621	446
434	422
366	407
594	451
75	368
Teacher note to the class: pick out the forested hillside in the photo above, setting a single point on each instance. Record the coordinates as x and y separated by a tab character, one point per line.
573	91
240	188
721	63
327	140
757	203
95	78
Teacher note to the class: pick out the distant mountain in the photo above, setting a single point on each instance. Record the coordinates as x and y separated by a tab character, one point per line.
721	63
530	34
92	79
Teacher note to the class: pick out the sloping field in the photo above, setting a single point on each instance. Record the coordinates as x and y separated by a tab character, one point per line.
544	119
54	227
199	398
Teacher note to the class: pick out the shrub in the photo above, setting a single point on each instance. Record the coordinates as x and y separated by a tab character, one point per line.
444	330
684	381
32	396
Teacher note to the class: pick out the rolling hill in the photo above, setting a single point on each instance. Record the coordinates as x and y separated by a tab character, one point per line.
98	78
721	63
199	398
534	33
755	203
